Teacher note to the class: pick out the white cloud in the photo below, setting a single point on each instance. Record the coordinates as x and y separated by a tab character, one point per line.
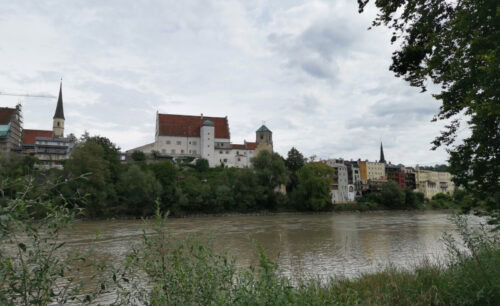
310	69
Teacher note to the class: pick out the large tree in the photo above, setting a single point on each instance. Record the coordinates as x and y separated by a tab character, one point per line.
454	44
313	189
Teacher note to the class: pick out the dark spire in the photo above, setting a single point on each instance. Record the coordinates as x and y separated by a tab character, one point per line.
59	109
382	158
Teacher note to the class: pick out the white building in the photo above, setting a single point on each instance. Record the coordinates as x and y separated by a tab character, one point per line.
341	191
181	136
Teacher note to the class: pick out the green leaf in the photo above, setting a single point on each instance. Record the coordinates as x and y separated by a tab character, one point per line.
22	246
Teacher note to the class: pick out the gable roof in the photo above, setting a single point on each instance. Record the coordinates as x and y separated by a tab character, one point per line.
29	136
6	115
189	126
245	146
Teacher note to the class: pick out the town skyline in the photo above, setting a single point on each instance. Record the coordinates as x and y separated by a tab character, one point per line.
310	71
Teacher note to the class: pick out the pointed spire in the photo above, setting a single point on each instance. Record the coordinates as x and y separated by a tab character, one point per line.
59	109
382	158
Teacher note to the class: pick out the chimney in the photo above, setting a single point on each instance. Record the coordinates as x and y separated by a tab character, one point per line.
201	116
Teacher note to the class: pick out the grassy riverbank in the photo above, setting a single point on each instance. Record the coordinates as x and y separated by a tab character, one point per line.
190	273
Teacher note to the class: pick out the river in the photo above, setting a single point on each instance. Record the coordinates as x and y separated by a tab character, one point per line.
304	245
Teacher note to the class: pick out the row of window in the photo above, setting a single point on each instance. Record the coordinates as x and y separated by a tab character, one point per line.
179	142
173	151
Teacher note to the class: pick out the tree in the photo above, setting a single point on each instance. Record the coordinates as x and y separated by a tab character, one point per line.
392	196
166	174
313	189
138	190
455	44
201	165
295	160
89	159
270	169
271	173
111	153
138	156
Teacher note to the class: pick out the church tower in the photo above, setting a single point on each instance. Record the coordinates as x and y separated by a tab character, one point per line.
264	138
382	158
58	121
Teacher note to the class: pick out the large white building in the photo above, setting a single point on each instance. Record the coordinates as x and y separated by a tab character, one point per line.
181	136
341	190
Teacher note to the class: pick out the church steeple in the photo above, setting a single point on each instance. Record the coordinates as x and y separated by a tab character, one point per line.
59	109
58	120
382	158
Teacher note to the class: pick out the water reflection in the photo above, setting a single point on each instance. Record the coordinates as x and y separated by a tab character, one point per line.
304	245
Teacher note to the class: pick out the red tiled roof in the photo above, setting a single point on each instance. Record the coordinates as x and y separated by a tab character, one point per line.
6	115
29	136
251	145
245	146
189	126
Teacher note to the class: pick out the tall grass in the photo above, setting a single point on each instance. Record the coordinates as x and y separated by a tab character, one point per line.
169	272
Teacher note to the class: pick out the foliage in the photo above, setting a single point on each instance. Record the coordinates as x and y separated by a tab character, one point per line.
271	174
295	160
138	190
392	196
313	189
270	169
437	167
35	267
89	158
456	45
190	273
201	165
138	156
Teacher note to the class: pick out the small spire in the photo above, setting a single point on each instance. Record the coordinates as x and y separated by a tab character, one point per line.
382	158
59	109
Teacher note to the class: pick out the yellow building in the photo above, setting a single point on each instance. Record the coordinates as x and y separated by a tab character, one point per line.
431	183
372	171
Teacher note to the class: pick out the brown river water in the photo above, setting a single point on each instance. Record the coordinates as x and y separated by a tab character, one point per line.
304	245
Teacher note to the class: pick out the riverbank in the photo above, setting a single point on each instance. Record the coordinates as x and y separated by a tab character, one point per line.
197	275
336	208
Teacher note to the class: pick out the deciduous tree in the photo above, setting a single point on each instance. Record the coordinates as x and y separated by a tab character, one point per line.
456	45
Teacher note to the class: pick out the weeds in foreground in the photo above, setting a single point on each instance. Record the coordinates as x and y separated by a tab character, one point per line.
35	266
36	269
190	273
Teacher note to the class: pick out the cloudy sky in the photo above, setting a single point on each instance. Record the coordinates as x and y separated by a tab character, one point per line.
309	69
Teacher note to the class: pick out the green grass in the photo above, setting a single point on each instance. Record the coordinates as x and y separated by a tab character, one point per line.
189	273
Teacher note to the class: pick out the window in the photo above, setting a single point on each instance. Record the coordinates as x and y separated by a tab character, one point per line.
168	141
194	151
194	143
162	150
261	137
58	123
225	160
173	151
179	142
182	151
237	152
227	152
239	159
220	152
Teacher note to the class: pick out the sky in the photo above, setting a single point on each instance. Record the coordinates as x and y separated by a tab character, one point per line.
310	70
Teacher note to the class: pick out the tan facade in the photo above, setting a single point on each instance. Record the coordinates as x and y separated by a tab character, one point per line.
372	171
431	183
